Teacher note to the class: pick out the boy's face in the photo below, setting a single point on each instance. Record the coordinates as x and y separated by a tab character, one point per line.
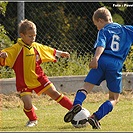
29	37
100	23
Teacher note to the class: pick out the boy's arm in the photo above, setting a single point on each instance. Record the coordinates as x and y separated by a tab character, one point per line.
94	63
62	54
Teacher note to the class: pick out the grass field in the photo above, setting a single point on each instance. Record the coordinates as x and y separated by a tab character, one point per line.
50	114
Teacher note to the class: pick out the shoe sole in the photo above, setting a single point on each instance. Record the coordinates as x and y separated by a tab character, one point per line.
93	123
32	125
70	115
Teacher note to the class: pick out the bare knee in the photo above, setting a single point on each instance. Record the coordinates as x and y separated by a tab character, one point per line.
27	102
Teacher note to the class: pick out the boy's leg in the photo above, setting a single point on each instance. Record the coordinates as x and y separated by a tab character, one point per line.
30	114
79	98
64	101
70	115
29	110
104	109
58	97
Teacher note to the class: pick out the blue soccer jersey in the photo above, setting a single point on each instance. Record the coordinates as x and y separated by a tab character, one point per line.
116	39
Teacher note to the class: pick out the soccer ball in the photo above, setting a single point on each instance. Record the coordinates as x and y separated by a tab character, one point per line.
81	118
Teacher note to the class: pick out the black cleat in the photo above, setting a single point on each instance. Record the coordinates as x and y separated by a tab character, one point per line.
94	122
71	113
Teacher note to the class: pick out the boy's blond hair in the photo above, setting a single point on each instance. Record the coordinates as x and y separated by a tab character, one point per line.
102	13
25	25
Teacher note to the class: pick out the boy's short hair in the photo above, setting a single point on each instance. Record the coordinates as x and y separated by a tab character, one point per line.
25	25
102	13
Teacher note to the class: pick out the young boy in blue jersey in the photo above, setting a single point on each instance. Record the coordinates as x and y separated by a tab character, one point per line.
111	48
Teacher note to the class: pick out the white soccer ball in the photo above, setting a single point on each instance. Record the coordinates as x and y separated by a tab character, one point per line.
81	119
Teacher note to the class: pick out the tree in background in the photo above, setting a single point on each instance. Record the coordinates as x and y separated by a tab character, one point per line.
4	39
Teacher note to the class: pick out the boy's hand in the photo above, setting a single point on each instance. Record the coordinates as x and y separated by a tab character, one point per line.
65	54
94	63
3	54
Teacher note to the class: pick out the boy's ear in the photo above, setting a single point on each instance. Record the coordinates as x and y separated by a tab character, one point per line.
101	20
21	34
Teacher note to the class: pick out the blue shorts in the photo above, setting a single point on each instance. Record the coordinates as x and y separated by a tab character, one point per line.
109	69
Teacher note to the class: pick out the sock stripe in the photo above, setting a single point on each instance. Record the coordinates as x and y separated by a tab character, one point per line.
60	97
27	110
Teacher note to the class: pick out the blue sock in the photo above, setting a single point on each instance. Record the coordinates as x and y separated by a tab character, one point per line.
104	109
79	98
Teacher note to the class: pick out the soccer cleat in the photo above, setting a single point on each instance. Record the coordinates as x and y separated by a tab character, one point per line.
71	113
94	122
31	123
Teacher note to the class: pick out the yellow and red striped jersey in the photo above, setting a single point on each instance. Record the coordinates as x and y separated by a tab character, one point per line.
25	61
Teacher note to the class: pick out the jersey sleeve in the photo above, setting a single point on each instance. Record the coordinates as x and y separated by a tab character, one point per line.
12	53
47	54
101	39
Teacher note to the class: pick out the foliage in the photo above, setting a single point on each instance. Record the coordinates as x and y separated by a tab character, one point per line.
4	39
6	72
62	28
65	67
129	61
3	5
118	18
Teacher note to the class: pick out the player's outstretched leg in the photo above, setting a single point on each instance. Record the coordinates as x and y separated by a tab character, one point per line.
72	112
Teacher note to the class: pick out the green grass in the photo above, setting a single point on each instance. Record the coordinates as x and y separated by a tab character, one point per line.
50	114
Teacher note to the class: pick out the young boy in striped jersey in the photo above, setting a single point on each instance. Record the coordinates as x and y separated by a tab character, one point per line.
25	58
111	49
